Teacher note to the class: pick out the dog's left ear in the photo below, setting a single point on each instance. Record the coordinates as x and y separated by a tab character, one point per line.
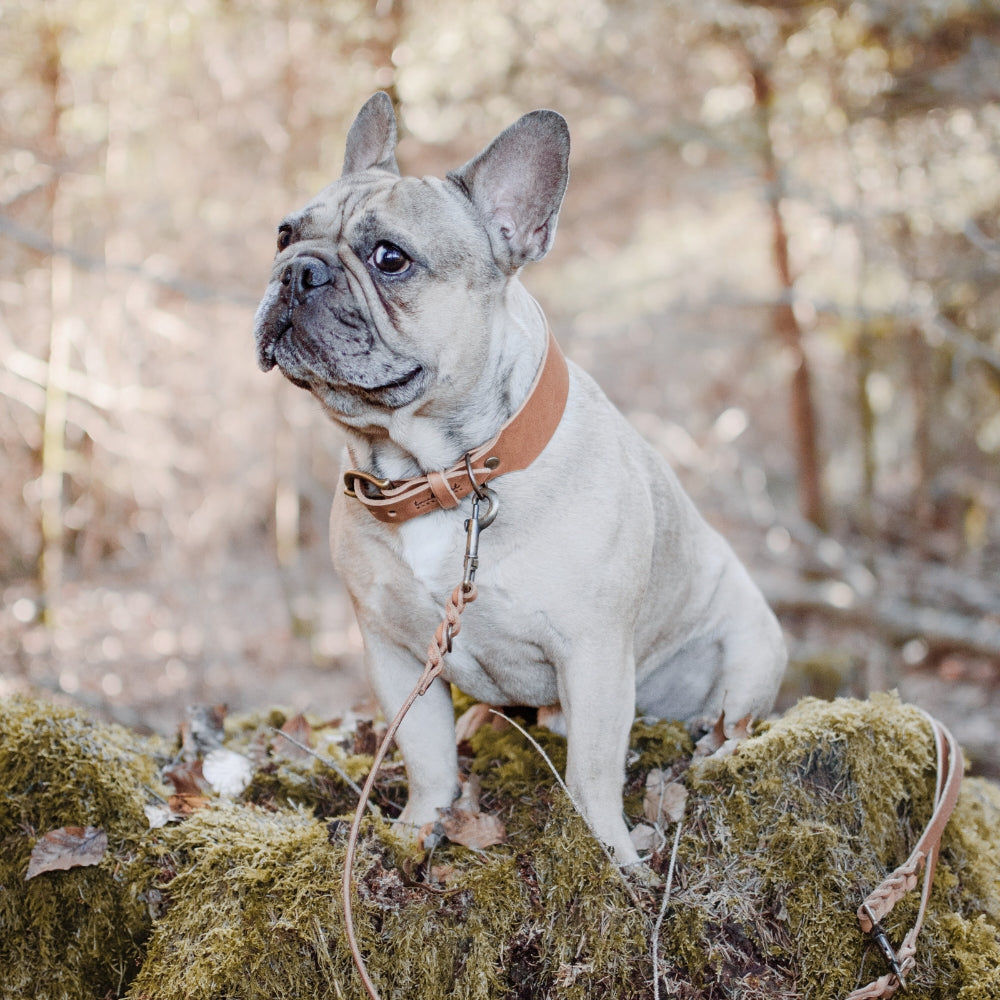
517	183
371	141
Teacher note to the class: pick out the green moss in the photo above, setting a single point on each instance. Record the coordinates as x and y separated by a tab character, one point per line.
789	835
76	933
779	844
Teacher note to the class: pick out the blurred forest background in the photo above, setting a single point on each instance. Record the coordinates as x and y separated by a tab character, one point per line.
780	254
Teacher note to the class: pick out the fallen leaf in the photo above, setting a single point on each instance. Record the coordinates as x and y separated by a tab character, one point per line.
464	824
741	730
665	800
475	830
184	805
442	874
469	791
471	720
187	778
67	847
158	816
301	738
366	738
723	740
713	739
227	771
190	787
644	837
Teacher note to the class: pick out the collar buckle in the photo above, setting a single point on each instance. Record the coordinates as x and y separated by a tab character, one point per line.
372	487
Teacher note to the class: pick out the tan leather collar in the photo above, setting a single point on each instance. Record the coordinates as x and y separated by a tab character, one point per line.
520	441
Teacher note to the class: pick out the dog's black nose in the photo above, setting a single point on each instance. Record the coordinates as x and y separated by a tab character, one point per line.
304	273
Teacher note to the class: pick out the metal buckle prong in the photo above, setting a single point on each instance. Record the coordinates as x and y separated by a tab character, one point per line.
353	475
881	939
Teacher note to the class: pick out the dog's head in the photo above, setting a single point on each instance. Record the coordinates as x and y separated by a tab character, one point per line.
386	289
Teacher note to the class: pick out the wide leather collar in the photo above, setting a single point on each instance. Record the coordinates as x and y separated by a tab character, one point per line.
520	441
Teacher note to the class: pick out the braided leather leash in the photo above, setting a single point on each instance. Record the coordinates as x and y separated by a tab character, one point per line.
465	593
903	880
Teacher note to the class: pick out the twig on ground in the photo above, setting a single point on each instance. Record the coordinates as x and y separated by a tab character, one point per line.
663	912
326	762
562	784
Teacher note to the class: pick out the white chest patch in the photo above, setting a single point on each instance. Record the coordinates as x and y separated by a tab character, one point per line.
432	546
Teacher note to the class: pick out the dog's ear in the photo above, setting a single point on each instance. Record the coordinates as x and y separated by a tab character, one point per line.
372	138
517	183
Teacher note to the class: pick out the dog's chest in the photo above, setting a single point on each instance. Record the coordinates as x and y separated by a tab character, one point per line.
431	546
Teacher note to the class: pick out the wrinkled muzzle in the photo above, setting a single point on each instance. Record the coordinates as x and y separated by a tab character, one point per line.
311	326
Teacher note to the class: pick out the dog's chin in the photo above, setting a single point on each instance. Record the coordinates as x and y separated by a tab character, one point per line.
348	397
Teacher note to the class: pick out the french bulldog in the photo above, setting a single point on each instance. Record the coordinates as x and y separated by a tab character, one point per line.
601	591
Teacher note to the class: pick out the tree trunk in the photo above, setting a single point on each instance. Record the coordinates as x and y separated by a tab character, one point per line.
53	454
786	325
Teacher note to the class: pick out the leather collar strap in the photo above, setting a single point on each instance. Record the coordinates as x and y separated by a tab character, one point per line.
904	879
520	441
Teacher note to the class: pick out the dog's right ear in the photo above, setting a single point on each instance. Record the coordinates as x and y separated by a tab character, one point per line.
371	142
517	184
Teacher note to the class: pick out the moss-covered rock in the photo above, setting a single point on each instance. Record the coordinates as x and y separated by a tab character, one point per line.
779	843
785	838
76	933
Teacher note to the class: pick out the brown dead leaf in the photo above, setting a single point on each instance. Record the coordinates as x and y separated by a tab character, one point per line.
190	787
464	824
187	778
470	789
665	800
185	805
471	720
366	737
475	830
723	740
644	837
67	847
301	738
441	874
713	739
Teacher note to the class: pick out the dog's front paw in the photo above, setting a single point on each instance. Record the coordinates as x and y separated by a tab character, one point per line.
642	876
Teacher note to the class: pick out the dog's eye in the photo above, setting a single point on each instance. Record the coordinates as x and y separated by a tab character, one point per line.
284	237
389	259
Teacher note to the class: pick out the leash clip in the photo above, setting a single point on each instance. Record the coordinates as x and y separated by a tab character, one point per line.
474	525
884	945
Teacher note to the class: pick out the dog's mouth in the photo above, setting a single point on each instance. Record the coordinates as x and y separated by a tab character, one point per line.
373	384
397	383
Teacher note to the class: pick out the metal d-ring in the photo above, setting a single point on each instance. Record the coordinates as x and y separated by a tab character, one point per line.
483	495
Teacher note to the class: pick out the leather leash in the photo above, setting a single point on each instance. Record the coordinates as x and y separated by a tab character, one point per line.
904	879
519	442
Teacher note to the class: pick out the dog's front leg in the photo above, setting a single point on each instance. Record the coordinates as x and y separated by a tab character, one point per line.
597	695
426	735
